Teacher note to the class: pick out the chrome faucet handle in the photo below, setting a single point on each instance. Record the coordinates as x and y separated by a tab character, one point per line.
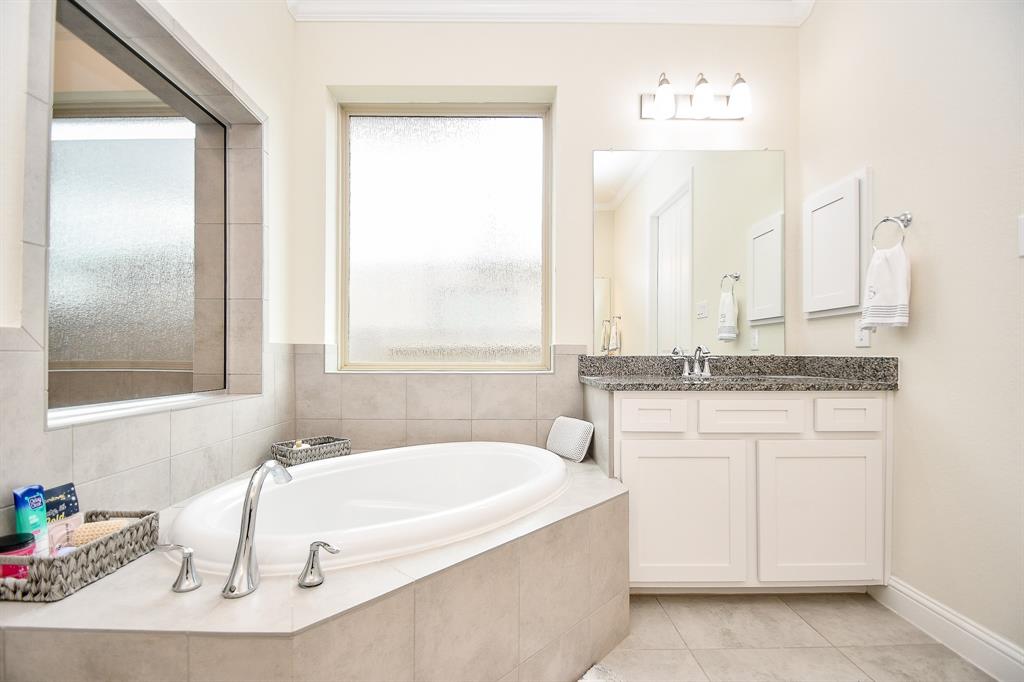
312	575
187	579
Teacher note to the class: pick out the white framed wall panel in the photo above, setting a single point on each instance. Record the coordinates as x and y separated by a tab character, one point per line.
831	247
765	265
849	414
821	510
751	416
687	510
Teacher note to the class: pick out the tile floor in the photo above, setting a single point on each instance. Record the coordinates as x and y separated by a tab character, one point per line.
812	638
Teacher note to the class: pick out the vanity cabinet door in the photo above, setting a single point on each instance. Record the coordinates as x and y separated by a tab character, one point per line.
821	506
687	510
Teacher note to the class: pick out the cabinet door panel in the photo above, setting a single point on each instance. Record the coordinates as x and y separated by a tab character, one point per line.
687	511
820	510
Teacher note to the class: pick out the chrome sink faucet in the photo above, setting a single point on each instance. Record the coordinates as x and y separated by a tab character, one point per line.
245	572
701	353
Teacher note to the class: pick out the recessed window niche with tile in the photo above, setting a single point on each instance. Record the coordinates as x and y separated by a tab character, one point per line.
444	238
136	286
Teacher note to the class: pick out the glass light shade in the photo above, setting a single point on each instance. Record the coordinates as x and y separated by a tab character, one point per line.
664	100
703	98
739	99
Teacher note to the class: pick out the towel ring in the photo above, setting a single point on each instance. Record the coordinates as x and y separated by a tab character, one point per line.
734	276
903	220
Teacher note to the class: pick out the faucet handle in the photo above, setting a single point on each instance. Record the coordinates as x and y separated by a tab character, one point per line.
312	575
187	579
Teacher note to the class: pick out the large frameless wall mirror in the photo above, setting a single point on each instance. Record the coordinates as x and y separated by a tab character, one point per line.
688	250
137	227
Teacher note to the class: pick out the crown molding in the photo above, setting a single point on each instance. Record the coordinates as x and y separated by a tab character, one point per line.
721	12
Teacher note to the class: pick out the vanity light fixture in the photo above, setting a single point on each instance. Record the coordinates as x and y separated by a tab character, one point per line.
665	104
664	99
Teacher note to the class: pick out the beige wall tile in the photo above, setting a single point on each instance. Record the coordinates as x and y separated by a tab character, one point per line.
504	396
506	430
252	449
195	471
245	260
207	382
371	644
609	625
209	261
208	356
284	385
423	431
309	428
543	429
560	393
82	388
310	349
554	585
210	136
33	290
317	394
246	136
37	167
200	426
104	448
245	384
245	182
373	396
210	186
152	384
467	619
512	676
214	658
144	487
22	417
609	550
439	396
564	659
245	334
252	414
374	434
88	656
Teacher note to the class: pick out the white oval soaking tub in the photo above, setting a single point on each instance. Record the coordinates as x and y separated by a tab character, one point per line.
374	505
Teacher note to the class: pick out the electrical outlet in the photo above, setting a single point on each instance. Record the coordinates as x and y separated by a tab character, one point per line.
861	336
702	310
755	338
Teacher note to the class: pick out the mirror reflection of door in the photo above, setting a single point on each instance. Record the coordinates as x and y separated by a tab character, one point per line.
673	240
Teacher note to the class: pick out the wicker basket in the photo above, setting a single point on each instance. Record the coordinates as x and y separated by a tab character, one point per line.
323	447
53	578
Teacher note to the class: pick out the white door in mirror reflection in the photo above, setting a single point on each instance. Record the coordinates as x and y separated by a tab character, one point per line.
673	231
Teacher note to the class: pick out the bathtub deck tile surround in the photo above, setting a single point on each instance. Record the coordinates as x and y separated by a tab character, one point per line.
335	631
370	408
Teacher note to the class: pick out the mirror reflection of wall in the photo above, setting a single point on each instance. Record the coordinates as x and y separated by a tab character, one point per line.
669	227
137	237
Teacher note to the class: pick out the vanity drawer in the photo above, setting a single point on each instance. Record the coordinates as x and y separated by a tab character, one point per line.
848	414
751	416
653	415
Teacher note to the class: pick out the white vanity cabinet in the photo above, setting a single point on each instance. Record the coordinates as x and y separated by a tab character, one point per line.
750	489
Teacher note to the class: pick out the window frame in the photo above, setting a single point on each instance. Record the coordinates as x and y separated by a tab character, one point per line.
489	110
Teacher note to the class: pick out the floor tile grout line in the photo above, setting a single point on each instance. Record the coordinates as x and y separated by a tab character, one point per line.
831	644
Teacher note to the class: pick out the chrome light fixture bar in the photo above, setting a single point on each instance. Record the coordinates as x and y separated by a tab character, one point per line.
664	103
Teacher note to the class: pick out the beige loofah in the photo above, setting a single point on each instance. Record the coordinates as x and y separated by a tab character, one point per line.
88	532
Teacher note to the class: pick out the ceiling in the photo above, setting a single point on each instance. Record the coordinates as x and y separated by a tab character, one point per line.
729	12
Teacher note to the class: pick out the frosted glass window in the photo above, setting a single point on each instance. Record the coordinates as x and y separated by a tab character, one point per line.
445	241
122	226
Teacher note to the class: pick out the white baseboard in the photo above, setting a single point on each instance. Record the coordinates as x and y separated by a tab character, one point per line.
997	656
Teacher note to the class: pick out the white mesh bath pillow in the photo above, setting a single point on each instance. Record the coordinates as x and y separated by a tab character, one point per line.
570	438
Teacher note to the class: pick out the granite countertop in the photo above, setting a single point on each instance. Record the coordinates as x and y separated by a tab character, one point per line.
742	373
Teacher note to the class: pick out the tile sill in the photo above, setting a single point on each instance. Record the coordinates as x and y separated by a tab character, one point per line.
63	417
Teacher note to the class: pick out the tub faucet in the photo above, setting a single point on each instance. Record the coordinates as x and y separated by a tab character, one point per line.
245	572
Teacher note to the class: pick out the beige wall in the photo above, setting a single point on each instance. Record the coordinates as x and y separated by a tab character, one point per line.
931	96
730	193
599	71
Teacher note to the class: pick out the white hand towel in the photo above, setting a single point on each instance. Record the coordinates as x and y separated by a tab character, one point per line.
727	317
887	289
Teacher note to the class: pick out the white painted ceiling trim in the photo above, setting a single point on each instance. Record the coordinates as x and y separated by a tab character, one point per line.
727	12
